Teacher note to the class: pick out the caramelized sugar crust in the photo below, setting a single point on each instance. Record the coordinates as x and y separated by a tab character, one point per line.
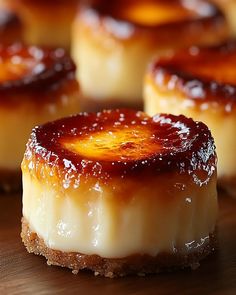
203	74
121	143
33	70
125	19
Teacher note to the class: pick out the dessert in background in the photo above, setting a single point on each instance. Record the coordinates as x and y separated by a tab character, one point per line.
229	8
112	42
47	22
119	192
200	83
11	29
36	85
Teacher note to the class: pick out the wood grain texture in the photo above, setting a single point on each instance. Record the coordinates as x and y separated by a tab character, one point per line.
23	273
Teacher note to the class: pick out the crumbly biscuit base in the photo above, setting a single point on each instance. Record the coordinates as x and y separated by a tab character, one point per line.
10	181
117	267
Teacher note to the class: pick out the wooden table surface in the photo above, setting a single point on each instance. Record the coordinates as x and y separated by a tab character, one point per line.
23	273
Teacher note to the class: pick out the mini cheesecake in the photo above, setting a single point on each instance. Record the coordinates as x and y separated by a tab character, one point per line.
229	8
10	25
112	42
119	192
36	85
200	83
47	23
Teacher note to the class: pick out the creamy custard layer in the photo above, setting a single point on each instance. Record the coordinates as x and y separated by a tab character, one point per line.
215	116
116	69
168	213
17	122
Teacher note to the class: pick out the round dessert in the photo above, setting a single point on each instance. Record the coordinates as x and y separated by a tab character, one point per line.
119	192
47	23
112	42
229	8
36	85
10	25
200	83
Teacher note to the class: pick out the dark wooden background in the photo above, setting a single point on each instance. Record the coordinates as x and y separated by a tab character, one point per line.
23	273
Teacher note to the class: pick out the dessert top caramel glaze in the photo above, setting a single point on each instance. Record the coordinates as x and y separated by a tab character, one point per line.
31	69
121	143
206	74
126	19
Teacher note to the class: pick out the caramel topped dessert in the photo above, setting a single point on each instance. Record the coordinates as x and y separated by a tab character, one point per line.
10	25
113	41
119	192
47	23
200	83
36	85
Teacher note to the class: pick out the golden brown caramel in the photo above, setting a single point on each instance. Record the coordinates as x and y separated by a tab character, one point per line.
150	13
125	19
205	75
34	71
121	143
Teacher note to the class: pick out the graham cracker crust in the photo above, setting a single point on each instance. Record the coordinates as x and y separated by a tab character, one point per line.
10	181
117	267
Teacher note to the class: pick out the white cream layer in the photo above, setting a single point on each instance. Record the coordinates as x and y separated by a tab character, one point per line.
220	120
159	216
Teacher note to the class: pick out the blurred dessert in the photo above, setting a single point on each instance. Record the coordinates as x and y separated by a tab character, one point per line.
119	192
47	23
36	85
229	8
112	42
10	24
200	83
